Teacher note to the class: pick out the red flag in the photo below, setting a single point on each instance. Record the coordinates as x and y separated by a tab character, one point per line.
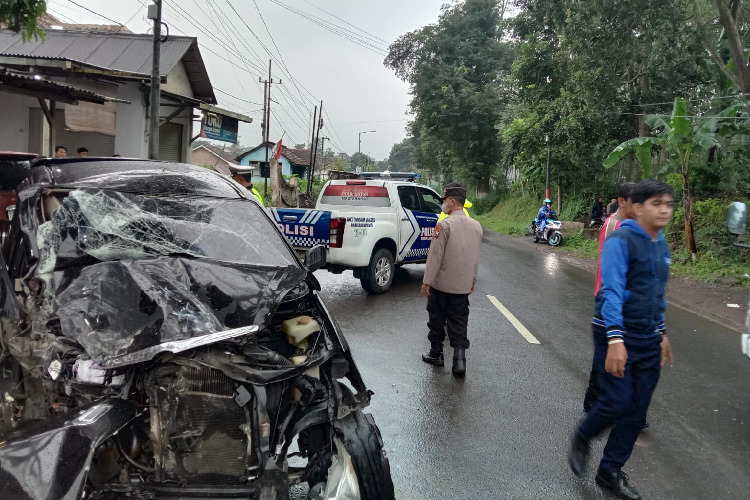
277	150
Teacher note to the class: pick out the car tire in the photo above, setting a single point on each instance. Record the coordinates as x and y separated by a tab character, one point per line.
377	277
362	440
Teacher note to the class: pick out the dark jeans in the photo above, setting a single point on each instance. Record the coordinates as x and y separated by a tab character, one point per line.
622	402
592	391
450	308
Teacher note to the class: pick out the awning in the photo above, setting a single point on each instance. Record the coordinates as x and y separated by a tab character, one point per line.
196	103
47	89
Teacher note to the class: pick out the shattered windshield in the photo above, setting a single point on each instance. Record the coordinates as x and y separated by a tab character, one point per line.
126	273
110	226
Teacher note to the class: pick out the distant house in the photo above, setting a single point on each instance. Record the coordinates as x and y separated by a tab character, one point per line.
87	86
292	161
210	154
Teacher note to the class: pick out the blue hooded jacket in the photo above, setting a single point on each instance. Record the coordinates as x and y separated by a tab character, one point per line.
635	271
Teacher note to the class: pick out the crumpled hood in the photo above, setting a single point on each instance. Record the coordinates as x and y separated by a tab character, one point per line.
113	309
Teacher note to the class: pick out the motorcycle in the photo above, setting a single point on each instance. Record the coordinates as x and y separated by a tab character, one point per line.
596	223
551	233
163	341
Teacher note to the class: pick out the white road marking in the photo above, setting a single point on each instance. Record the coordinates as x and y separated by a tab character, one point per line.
514	321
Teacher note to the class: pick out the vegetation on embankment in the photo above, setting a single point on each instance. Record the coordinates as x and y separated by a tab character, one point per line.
717	261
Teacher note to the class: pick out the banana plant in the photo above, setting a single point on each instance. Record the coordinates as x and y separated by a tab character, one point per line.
682	137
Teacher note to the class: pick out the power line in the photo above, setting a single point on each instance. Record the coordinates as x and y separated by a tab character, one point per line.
333	28
274	44
236	50
346	22
61	16
238	98
704	99
95	13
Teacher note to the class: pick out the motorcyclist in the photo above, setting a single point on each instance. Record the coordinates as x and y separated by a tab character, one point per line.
545	213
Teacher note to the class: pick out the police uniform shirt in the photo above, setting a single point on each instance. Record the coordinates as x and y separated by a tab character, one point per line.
453	259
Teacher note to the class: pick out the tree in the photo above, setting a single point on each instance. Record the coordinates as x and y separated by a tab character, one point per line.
454	68
683	138
737	68
300	146
22	16
401	157
361	160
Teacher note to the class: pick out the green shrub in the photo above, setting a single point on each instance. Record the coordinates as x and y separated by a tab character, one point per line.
581	246
488	202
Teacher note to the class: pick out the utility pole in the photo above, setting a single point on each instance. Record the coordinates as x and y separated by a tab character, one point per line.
549	157
319	125
323	147
360	138
312	141
267	120
154	12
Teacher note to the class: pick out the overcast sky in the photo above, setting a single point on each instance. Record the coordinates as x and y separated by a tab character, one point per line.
359	93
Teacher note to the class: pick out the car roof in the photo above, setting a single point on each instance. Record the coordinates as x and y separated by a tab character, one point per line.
16	156
375	182
147	177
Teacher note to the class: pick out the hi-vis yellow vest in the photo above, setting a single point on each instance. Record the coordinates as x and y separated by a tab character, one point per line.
468	204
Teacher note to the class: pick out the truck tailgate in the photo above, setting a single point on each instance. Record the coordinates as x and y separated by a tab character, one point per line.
304	228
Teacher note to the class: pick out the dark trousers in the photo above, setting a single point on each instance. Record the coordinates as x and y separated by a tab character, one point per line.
592	391
622	402
450	308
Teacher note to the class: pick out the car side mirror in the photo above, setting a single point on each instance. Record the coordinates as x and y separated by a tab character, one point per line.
737	218
315	258
737	222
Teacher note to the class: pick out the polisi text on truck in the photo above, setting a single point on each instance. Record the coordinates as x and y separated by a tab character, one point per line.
294	230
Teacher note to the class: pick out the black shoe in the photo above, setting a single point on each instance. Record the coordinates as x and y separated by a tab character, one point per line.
459	361
646	425
578	455
618	483
433	357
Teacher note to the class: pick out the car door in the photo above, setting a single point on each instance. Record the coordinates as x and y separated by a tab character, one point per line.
409	230
427	218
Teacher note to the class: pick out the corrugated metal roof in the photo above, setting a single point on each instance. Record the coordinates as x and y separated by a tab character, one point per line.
116	51
20	81
125	52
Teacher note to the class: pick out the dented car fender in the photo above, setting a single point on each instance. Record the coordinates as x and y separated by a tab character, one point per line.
49	460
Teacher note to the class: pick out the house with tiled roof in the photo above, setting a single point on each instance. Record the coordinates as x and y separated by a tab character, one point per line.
219	158
292	161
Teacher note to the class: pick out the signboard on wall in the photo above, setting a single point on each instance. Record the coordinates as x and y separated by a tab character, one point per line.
219	127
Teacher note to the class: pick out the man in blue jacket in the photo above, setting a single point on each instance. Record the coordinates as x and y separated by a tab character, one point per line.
630	339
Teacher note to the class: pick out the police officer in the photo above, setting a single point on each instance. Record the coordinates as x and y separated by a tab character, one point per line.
249	186
452	265
467	204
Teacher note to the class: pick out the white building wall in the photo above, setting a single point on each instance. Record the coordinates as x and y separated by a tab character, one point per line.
131	140
14	121
178	81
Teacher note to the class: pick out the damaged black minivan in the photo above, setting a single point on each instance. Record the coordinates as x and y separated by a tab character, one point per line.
160	339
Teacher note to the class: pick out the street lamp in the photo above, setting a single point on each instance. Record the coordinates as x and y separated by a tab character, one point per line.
360	138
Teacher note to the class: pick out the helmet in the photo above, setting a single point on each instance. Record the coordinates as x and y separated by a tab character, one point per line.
547	201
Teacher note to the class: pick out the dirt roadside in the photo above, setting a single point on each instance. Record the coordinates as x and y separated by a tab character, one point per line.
706	299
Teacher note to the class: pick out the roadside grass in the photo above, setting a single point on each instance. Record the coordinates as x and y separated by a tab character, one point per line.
501	226
717	261
580	246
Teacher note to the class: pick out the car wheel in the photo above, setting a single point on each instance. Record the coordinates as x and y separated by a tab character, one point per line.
359	468
378	276
555	238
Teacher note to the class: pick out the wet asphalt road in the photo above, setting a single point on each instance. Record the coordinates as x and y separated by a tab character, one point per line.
503	431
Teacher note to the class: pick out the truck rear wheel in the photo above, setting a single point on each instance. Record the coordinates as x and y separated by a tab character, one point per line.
378	276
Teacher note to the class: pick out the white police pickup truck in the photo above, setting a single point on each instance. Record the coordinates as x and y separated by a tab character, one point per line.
370	225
